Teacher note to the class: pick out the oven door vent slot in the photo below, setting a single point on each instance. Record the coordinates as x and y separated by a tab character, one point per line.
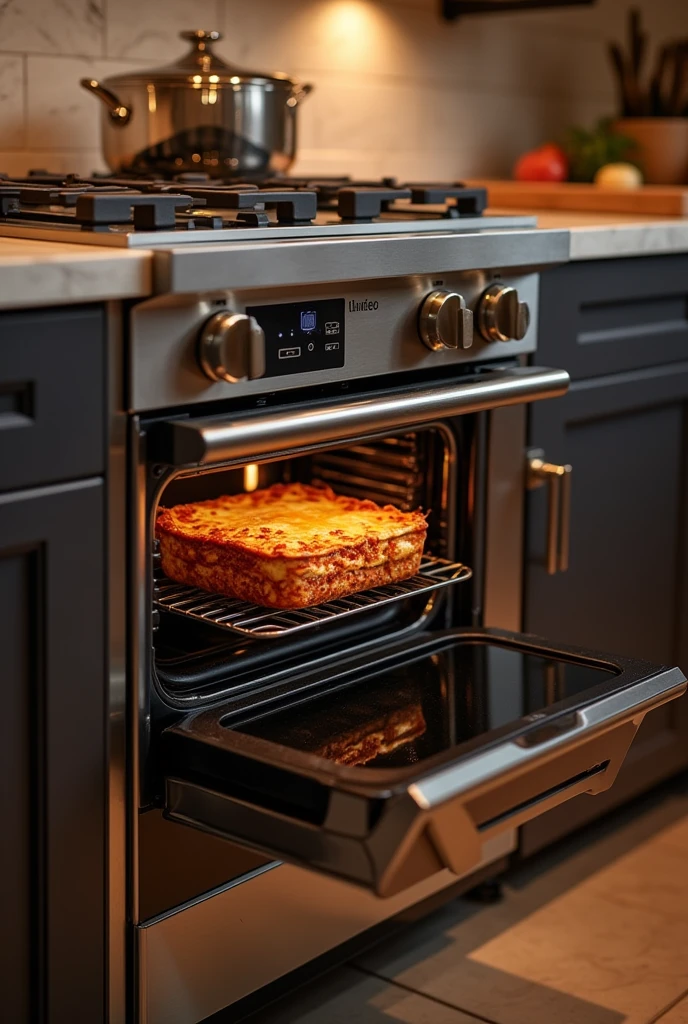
272	623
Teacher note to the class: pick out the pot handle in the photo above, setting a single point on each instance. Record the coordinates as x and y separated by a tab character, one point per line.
119	113
299	93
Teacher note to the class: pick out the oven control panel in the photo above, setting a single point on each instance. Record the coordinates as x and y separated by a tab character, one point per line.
300	337
194	348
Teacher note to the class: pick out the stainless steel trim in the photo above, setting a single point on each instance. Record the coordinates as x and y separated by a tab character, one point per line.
139	590
219	950
205	442
126	238
201	268
117	671
504	519
558	481
633	701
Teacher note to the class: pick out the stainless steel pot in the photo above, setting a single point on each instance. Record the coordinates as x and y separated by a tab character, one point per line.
199	114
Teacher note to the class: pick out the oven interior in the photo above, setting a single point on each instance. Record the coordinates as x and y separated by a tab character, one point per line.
435	468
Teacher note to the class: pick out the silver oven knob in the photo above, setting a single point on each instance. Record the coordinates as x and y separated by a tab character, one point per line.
444	321
501	315
231	347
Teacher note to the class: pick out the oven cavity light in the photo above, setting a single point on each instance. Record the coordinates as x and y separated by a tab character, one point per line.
250	477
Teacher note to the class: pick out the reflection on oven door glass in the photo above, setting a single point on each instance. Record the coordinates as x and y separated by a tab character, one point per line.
409	713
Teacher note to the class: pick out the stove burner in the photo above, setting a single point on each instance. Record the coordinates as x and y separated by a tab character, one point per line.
291	206
154	203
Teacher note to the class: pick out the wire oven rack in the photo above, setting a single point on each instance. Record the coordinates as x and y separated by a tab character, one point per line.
270	623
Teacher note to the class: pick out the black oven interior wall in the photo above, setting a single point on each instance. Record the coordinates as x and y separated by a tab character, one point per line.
440	468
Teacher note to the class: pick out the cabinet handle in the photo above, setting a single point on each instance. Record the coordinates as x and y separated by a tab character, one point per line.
558	481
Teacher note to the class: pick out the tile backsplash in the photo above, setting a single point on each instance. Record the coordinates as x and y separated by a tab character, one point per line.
397	90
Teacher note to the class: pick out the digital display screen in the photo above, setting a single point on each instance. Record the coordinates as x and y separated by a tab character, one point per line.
302	336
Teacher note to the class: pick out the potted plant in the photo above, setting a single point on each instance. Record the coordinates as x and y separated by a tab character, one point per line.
655	110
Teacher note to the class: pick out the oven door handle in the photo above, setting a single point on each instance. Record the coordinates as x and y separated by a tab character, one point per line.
235	438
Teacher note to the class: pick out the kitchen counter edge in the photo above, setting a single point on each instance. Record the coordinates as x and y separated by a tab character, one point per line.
36	273
596	236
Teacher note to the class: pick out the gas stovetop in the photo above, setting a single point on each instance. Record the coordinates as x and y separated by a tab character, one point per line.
193	208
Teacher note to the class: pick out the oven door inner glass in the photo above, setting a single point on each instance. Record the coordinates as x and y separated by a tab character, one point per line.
386	773
416	710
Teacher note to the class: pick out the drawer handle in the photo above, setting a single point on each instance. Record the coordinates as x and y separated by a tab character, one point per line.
558	481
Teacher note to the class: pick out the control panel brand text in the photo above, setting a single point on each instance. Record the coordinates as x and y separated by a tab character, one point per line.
363	306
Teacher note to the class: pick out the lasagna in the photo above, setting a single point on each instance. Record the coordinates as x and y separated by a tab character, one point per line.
376	739
290	545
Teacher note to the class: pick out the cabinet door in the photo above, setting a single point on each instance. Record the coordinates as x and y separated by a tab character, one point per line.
626	437
52	395
52	754
606	316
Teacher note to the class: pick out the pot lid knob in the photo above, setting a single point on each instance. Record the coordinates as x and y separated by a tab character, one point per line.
200	36
201	57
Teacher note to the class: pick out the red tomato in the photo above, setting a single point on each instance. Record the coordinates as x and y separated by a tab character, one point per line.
546	163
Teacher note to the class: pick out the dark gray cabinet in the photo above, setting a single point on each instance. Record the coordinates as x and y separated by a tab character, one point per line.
626	436
52	667
52	395
52	741
608	316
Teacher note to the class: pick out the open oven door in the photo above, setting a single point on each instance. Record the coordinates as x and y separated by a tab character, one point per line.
386	771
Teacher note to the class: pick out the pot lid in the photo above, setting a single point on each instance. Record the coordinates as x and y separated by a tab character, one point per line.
199	66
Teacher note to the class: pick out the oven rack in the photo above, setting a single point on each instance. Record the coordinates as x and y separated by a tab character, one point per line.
272	623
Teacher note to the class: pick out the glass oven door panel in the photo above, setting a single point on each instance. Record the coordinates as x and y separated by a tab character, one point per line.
385	773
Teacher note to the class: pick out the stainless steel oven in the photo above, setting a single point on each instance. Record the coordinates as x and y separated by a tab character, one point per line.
295	778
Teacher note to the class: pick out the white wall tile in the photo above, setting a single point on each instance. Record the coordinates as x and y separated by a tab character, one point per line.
150	29
61	161
13	162
61	114
354	36
397	90
12	114
374	115
363	38
52	26
353	162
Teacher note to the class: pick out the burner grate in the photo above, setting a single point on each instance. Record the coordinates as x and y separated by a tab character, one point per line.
273	623
154	203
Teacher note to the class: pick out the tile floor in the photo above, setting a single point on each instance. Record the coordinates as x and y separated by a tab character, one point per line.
594	931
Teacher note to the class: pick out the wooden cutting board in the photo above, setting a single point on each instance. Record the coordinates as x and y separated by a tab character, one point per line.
658	200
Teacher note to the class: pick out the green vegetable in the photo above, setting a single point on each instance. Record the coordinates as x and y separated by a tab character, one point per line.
587	151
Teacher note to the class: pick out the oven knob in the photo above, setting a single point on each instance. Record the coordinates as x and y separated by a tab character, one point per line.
231	347
501	315
445	321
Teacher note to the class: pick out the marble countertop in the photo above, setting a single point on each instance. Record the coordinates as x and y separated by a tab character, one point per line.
607	235
34	273
37	273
